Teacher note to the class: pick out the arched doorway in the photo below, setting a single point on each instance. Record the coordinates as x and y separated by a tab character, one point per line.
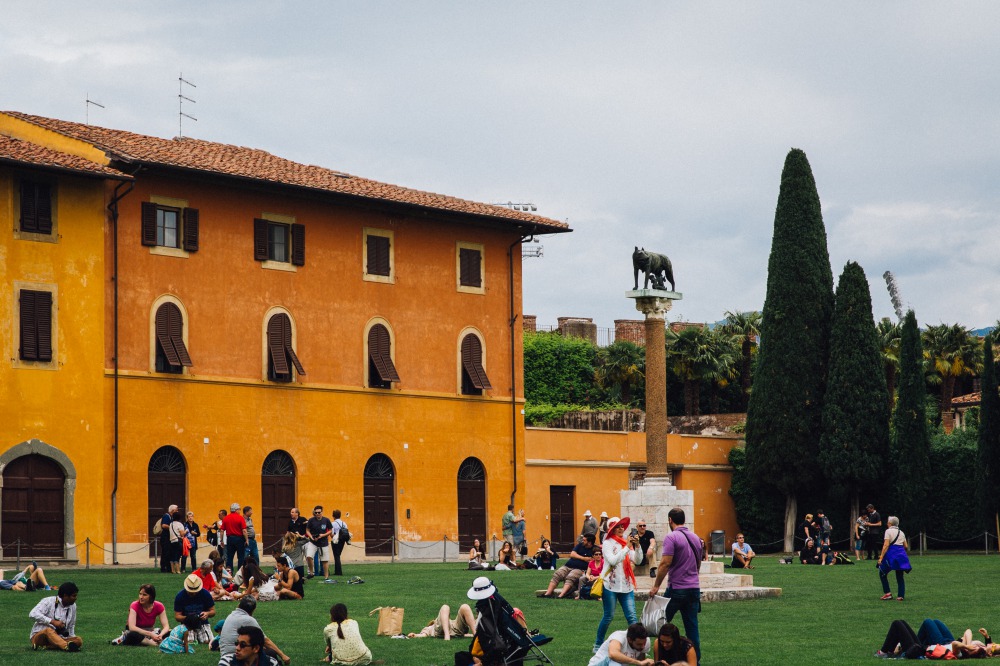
33	507
167	482
277	497
471	502
380	505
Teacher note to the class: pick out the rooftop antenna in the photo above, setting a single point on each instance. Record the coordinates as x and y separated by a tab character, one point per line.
89	102
180	104
897	300
527	249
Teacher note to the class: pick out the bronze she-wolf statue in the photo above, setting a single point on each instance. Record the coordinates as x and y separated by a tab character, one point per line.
656	267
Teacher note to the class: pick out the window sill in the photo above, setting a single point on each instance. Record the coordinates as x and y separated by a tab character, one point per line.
279	266
21	364
39	238
462	289
164	251
384	279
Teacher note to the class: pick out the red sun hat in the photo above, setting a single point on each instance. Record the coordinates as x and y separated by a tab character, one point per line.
618	522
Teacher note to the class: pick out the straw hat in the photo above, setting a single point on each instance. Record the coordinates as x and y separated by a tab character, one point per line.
193	584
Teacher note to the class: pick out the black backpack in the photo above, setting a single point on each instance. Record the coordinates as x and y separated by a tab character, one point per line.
344	536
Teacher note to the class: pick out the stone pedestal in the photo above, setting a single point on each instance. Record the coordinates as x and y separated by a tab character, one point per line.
653	501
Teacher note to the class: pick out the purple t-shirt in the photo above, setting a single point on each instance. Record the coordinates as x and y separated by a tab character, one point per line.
685	548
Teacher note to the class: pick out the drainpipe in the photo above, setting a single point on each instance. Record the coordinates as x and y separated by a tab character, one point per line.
113	209
513	364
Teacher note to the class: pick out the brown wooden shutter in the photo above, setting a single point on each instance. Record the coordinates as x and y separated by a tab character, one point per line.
162	326
470	272
378	255
286	341
298	245
43	208
29	212
148	223
472	361
260	240
191	229
43	321
379	350
276	345
175	331
29	332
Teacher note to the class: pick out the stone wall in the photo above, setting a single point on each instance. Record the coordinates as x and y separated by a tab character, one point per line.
578	327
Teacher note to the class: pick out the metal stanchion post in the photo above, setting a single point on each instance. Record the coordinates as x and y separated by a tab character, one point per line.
18	554
444	553
392	557
88	552
986	542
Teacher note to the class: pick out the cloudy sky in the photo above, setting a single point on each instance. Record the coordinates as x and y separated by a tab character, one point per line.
661	124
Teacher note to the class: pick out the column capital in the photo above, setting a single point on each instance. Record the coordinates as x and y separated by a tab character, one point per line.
654	303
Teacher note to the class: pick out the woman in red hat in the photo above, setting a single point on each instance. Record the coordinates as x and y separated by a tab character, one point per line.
620	556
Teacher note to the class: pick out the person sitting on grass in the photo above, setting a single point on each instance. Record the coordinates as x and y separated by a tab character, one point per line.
242	616
344	644
506	559
249	650
593	572
546	558
742	553
29	580
143	614
444	627
670	647
289	585
477	557
55	621
571	572
195	601
624	647
180	639
810	553
206	572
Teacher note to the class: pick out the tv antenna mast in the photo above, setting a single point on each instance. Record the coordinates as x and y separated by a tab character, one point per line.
88	105
530	248
897	300
181	81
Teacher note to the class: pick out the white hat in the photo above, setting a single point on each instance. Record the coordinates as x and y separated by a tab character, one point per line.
604	514
482	588
587	514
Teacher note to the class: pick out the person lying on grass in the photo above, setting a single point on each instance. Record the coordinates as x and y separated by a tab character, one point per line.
444	627
29	580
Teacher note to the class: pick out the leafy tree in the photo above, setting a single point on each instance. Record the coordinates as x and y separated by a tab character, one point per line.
690	354
746	327
759	514
888	340
910	471
621	368
558	370
951	498
951	351
784	416
855	440
988	444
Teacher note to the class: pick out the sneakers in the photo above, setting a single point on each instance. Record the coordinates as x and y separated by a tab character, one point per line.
72	647
886	597
327	580
881	655
310	575
120	639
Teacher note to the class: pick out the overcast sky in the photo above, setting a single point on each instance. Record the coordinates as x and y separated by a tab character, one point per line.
661	124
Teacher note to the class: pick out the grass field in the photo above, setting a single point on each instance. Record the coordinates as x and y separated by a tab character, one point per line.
826	615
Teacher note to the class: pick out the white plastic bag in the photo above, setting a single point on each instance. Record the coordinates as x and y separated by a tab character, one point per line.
654	614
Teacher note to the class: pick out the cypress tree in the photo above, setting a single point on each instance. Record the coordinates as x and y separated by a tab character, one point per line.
784	416
909	464
988	479
855	440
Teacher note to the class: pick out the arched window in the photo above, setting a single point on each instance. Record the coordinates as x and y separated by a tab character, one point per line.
471	502
167	482
474	379
281	357
277	496
381	369
171	352
380	505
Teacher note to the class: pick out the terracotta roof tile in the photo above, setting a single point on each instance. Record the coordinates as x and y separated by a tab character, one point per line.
25	152
254	164
968	399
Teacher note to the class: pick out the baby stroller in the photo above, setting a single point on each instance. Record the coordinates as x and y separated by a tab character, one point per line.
500	637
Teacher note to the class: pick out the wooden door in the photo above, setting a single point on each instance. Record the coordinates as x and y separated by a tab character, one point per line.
167	483
277	498
380	506
561	516
33	514
471	503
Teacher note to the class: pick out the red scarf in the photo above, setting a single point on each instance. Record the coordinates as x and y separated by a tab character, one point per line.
627	562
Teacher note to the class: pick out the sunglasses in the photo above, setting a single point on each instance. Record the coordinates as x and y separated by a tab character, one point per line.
317	512
242	644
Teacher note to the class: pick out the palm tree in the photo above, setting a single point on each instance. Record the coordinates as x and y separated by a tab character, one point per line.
888	333
746	326
620	368
689	351
724	352
950	352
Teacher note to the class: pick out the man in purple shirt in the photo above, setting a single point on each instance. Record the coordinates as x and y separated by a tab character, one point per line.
682	559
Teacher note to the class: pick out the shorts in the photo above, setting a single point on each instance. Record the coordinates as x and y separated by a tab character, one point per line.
568	575
311	549
458	627
859	544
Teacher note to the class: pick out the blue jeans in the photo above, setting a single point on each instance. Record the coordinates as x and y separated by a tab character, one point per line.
688	602
252	547
900	583
609	598
934	632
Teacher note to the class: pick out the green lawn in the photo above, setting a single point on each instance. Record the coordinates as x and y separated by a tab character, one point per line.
826	615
